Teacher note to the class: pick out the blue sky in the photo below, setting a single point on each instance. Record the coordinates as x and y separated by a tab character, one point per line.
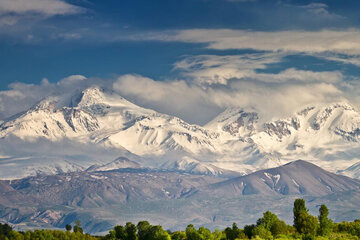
216	50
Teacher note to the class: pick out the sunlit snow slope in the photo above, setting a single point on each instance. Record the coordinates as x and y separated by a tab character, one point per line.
236	139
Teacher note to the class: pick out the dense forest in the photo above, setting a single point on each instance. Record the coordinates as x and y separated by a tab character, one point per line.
269	226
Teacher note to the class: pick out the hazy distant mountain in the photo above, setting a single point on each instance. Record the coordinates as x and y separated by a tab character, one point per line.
104	198
352	171
196	167
295	178
119	163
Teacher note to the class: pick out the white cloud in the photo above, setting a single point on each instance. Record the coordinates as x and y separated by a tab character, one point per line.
213	69
295	75
175	97
353	59
345	42
43	7
24	13
196	104
230	81
72	79
319	9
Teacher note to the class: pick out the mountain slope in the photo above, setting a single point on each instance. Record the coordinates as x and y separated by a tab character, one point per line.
328	135
237	140
106	198
313	127
108	119
295	178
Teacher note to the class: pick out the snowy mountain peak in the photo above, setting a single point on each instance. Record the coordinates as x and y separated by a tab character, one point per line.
49	103
236	122
325	113
91	96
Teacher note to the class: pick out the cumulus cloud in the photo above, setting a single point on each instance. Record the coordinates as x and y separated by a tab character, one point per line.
196	104
176	97
213	83
196	100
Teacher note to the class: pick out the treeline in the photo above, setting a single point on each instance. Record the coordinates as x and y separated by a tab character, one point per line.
268	227
42	235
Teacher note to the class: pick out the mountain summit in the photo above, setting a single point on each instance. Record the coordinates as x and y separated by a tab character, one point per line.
236	139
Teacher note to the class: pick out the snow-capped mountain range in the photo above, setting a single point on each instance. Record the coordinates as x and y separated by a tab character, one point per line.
235	140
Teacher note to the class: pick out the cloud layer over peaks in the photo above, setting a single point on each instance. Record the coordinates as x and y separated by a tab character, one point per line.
205	86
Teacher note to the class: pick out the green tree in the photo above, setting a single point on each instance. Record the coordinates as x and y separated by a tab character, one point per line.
352	228
77	227
262	232
326	224
130	230
234	232
111	235
158	233
307	224
191	233
179	235
299	206
279	227
144	230
68	227
220	235
303	222
5	231
204	233
120	232
272	223
201	234
248	230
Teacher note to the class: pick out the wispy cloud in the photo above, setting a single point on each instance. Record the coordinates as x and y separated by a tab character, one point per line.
13	11
213	69
43	7
346	42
